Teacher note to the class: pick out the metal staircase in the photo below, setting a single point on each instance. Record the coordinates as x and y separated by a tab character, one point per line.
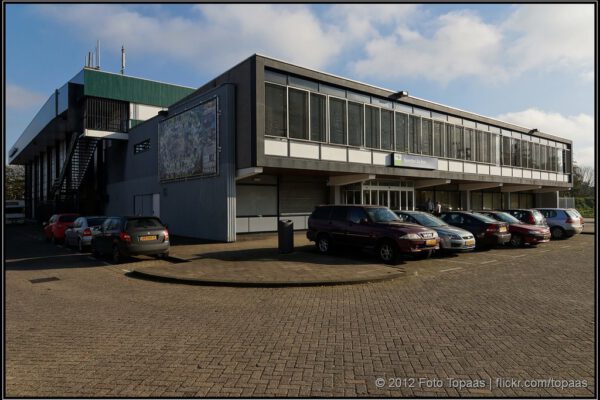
77	161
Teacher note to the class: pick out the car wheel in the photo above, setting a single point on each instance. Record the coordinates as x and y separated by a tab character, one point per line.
323	244
162	256
116	255
95	251
557	233
516	240
388	252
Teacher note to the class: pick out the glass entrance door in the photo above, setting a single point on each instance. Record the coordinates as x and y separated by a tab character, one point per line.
395	200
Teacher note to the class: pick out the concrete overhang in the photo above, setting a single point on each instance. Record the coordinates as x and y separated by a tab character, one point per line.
550	189
247	172
424	183
518	188
478	186
105	134
340	180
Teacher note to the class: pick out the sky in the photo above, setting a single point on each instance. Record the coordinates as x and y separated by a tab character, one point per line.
529	64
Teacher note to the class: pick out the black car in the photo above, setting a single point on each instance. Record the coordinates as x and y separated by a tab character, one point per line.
127	236
487	231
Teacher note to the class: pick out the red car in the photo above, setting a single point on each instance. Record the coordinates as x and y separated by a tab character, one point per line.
521	233
55	228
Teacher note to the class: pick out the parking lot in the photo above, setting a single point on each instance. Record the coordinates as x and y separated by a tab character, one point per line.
502	322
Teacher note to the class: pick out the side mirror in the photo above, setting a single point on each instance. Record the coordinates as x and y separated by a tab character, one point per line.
44	223
166	226
364	221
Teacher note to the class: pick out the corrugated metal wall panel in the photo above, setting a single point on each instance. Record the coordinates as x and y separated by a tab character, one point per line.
126	88
300	194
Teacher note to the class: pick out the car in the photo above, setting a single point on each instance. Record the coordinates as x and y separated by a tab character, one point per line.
128	236
528	216
54	229
83	229
563	222
369	227
487	231
451	238
520	233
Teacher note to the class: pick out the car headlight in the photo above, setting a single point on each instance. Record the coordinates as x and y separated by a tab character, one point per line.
410	236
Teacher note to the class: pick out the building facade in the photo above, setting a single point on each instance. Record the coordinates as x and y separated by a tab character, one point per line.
63	147
269	140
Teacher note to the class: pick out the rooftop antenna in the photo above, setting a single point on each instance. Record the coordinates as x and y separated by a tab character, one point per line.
122	59
98	54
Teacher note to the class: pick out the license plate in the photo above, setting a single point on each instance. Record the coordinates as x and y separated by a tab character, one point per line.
470	242
502	229
431	242
147	238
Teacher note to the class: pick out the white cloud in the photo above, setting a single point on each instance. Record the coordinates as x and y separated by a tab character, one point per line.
462	45
578	128
551	35
211	39
18	97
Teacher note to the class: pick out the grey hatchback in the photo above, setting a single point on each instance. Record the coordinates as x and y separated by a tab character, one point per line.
563	222
127	236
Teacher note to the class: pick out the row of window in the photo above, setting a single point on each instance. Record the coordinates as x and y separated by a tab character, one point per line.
300	114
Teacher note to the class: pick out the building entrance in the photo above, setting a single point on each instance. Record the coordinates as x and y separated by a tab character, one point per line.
393	194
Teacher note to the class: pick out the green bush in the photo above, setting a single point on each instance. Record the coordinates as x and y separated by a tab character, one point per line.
586	206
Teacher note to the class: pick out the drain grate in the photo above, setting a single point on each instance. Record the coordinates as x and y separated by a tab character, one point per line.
42	280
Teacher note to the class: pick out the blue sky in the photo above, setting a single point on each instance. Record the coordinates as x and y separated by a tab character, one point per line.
531	64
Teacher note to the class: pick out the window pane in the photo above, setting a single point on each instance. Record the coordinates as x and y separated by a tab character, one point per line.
275	110
450	148
469	141
496	149
387	129
355	124
536	156
426	137
298	104
506	151
415	134
401	132
337	121
543	157
438	139
317	117
516	153
458	143
372	126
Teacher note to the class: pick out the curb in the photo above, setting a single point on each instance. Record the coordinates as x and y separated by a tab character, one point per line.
259	284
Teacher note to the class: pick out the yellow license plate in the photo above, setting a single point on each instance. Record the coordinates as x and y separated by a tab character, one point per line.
431	242
470	242
502	229
147	238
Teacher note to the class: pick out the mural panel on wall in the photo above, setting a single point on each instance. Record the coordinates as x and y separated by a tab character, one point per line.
187	143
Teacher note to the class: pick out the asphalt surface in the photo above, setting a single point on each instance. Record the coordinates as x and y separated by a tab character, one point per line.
504	322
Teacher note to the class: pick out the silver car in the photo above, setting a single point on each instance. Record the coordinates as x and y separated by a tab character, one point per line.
563	222
451	237
82	232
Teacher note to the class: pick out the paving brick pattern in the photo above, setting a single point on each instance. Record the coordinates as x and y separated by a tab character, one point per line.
520	313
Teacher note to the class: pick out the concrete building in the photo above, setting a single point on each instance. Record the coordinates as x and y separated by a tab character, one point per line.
269	140
63	146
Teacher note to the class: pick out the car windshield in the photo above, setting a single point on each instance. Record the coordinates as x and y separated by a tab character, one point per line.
428	220
95	221
572	213
382	214
144	223
484	218
506	217
538	216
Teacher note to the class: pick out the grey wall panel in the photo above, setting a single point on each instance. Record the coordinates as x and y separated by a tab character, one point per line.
200	207
300	194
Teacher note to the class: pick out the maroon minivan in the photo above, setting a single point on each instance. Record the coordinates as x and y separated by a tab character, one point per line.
370	227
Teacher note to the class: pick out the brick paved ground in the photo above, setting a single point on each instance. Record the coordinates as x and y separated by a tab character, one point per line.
523	314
